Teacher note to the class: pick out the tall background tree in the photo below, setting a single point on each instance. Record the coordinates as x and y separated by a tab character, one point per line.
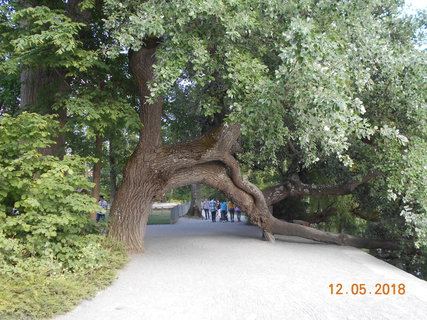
53	51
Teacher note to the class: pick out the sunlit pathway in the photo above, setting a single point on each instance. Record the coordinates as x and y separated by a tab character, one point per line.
203	270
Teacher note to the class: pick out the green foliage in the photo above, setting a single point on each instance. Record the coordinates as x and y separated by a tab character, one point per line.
343	221
50	41
64	42
98	112
181	194
273	62
44	290
47	252
44	190
202	47
9	93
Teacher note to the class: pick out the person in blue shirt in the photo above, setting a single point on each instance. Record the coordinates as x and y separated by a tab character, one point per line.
212	207
224	211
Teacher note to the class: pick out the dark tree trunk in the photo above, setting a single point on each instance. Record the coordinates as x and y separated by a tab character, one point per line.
132	206
41	87
96	175
32	83
39	91
152	164
113	171
196	200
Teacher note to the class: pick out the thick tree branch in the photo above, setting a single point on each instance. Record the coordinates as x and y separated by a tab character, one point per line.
260	214
210	147
141	65
358	212
225	176
213	174
216	175
295	187
227	179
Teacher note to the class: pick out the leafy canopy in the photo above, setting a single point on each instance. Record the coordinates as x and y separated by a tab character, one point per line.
280	68
43	37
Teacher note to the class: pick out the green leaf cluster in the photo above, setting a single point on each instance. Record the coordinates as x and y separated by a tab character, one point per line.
53	214
43	291
50	257
44	37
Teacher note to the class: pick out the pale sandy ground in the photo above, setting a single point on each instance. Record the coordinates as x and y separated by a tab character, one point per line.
203	270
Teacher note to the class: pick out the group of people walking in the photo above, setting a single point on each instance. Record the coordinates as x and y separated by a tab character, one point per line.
225	209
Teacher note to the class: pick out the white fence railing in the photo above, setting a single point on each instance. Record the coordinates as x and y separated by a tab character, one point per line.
179	211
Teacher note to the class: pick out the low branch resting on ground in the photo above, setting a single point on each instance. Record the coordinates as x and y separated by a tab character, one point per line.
216	175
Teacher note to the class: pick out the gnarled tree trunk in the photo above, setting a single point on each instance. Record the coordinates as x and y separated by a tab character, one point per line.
141	181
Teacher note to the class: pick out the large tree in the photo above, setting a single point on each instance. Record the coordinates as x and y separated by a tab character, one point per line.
54	50
43	42
330	94
323	79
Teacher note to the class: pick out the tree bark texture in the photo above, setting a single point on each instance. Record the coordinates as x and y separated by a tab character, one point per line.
113	170
294	187
293	229
41	86
142	179
39	90
154	169
96	174
196	200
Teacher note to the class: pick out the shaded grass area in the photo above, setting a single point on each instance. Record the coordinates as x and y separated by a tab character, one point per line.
159	217
42	294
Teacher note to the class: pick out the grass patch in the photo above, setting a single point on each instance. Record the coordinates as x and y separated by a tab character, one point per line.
159	217
39	293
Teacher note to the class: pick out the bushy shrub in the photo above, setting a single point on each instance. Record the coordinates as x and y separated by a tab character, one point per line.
43	289
48	246
44	190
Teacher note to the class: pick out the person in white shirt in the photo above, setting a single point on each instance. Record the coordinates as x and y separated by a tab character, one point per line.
205	206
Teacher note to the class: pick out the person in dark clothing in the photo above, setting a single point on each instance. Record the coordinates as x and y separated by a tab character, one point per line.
238	213
218	207
100	215
224	211
231	210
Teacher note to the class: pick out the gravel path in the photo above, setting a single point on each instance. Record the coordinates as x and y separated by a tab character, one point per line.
197	269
